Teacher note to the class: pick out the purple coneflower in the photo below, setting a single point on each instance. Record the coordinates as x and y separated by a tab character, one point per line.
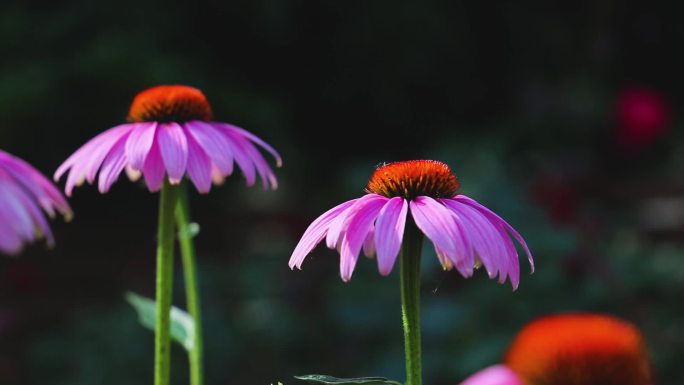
170	133
571	349
23	193
464	233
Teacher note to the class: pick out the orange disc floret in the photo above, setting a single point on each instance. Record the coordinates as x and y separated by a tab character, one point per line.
414	178
580	349
170	103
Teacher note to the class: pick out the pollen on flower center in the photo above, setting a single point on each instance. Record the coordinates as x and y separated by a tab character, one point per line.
414	178
170	103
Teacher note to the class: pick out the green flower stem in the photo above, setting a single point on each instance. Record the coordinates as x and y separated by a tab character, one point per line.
165	240
191	287
410	301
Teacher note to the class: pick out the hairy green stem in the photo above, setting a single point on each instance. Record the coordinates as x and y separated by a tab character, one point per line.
187	248
165	241
410	301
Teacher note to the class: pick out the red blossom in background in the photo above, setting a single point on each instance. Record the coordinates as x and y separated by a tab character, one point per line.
642	115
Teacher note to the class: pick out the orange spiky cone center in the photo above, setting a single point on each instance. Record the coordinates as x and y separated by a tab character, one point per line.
414	178
170	103
580	349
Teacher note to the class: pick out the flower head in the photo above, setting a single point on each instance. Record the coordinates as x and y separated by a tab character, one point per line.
580	349
465	234
643	115
170	134
23	193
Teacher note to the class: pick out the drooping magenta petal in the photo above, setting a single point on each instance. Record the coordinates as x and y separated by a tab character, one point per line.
153	169
10	242
13	213
47	195
173	146
389	232
444	260
139	143
437	223
357	226
337	226
112	165
86	149
247	154
199	166
214	143
484	237
369	243
494	375
85	163
463	255
265	173
240	149
40	225
493	217
257	140
315	233
23	192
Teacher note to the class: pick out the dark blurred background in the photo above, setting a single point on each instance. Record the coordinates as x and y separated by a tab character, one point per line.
562	118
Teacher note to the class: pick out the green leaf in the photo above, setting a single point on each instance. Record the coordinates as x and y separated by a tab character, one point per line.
329	380
182	325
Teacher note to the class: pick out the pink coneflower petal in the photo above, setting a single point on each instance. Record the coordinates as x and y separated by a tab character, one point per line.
481	233
153	169
436	222
446	262
86	161
336	227
112	165
369	243
357	227
262	167
10	241
14	212
502	223
37	185
214	144
257	140
139	144
389	232
315	233
239	147
23	192
242	144
494	375
40	224
199	166
173	146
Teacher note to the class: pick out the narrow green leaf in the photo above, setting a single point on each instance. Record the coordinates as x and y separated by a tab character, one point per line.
329	380
182	326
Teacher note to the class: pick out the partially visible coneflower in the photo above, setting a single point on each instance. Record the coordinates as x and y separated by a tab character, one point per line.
576	349
465	235
587	349
24	191
171	134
